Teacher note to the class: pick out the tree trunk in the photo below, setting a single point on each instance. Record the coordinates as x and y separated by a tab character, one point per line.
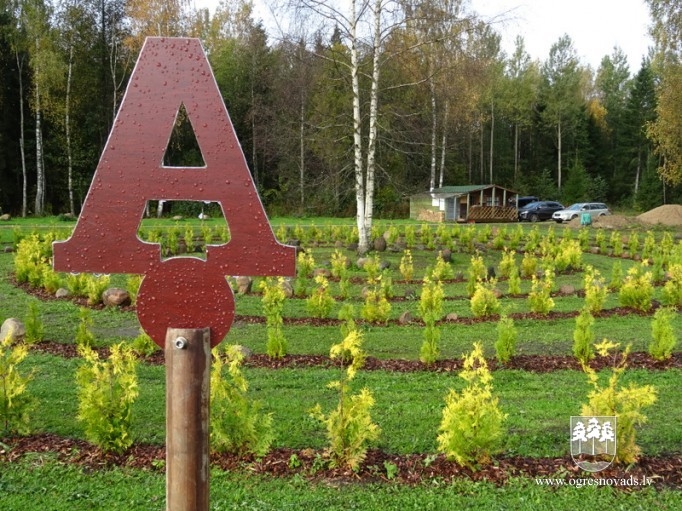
301	163
40	170
434	124
67	128
443	143
516	154
22	140
363	244
559	156
492	132
373	128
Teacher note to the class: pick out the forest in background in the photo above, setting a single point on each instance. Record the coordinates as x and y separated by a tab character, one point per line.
448	108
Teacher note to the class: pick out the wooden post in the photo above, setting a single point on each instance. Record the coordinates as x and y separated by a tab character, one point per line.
188	370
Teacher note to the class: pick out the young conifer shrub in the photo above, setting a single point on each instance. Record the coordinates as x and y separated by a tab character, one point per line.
143	345
663	338
349	426
321	302
95	286
623	402
273	305
507	335
339	265
471	429
372	267
617	243
77	283
189	239
15	401
616	276
649	245
529	265
477	272
237	424
583	336
107	390
305	263
484	302
442	270
35	330
407	266
84	336
507	263
514	282
430	310
376	308
133	283
672	290
539	298
637	289
595	290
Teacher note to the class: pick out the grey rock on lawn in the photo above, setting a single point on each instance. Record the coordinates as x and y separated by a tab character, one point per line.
13	328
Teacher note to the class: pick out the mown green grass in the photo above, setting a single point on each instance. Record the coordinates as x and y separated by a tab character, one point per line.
41	484
408	405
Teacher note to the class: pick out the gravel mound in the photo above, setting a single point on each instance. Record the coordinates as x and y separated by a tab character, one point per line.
668	214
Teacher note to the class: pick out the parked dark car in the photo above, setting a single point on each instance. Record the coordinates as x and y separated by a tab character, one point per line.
538	211
522	201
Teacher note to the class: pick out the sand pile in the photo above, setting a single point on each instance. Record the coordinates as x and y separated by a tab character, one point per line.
668	214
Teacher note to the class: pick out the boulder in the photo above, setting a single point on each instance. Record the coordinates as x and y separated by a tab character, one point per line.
380	244
405	318
410	293
115	296
567	289
446	255
244	285
246	352
13	328
287	288
324	272
62	292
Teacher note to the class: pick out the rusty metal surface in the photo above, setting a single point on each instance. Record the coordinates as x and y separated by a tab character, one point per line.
169	73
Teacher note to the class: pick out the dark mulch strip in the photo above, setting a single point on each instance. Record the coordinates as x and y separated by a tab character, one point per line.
533	363
664	471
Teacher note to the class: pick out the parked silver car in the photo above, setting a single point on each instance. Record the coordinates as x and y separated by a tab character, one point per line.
594	209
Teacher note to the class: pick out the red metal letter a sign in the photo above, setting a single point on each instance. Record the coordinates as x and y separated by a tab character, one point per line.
178	293
170	72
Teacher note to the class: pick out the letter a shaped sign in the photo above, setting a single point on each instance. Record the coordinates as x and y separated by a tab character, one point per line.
181	292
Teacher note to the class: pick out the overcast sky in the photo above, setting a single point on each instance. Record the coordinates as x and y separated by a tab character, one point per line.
594	26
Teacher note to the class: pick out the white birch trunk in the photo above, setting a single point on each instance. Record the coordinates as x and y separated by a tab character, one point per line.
372	136
67	128
443	143
492	134
434	124
357	134
40	171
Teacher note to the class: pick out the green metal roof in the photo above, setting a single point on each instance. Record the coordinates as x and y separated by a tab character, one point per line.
462	190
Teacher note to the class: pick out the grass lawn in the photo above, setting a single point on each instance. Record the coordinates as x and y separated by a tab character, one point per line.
408	405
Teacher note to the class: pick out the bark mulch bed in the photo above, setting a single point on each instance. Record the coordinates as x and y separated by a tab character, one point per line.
662	471
534	363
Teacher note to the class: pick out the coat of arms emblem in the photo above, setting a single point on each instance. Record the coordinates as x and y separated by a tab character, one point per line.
593	442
